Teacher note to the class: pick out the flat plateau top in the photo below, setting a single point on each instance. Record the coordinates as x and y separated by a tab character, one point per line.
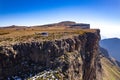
26	34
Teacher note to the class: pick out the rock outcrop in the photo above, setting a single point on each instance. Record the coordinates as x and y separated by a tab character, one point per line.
74	58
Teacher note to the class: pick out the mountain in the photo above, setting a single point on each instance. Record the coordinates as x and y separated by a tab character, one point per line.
13	26
112	45
68	24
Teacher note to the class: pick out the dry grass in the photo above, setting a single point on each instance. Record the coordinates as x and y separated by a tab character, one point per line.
110	72
11	35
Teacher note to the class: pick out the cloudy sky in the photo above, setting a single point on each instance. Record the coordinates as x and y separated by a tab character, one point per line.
102	14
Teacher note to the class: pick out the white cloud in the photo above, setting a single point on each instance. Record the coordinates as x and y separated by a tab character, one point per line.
108	29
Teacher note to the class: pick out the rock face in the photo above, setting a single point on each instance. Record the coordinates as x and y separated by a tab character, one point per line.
74	58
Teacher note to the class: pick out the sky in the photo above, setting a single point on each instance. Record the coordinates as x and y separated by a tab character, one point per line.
102	14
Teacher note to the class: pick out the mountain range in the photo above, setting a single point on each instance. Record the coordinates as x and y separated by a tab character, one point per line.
112	45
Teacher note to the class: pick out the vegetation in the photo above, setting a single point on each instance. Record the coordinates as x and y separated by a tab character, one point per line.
12	35
110	72
4	33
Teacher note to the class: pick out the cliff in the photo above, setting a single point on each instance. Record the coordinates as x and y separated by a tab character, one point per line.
72	58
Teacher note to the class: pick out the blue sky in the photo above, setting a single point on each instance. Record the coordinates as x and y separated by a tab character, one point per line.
102	14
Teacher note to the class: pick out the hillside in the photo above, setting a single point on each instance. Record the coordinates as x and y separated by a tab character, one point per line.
110	66
110	71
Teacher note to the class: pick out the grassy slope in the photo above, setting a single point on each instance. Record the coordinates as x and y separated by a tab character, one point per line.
110	72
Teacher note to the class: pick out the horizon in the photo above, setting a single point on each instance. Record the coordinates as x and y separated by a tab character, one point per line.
101	14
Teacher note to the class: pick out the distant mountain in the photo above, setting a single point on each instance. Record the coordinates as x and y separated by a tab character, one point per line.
113	47
13	26
66	24
69	24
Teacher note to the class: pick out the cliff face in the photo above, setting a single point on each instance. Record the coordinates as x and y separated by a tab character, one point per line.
74	58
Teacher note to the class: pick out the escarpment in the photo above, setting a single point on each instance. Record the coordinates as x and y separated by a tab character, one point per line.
74	58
